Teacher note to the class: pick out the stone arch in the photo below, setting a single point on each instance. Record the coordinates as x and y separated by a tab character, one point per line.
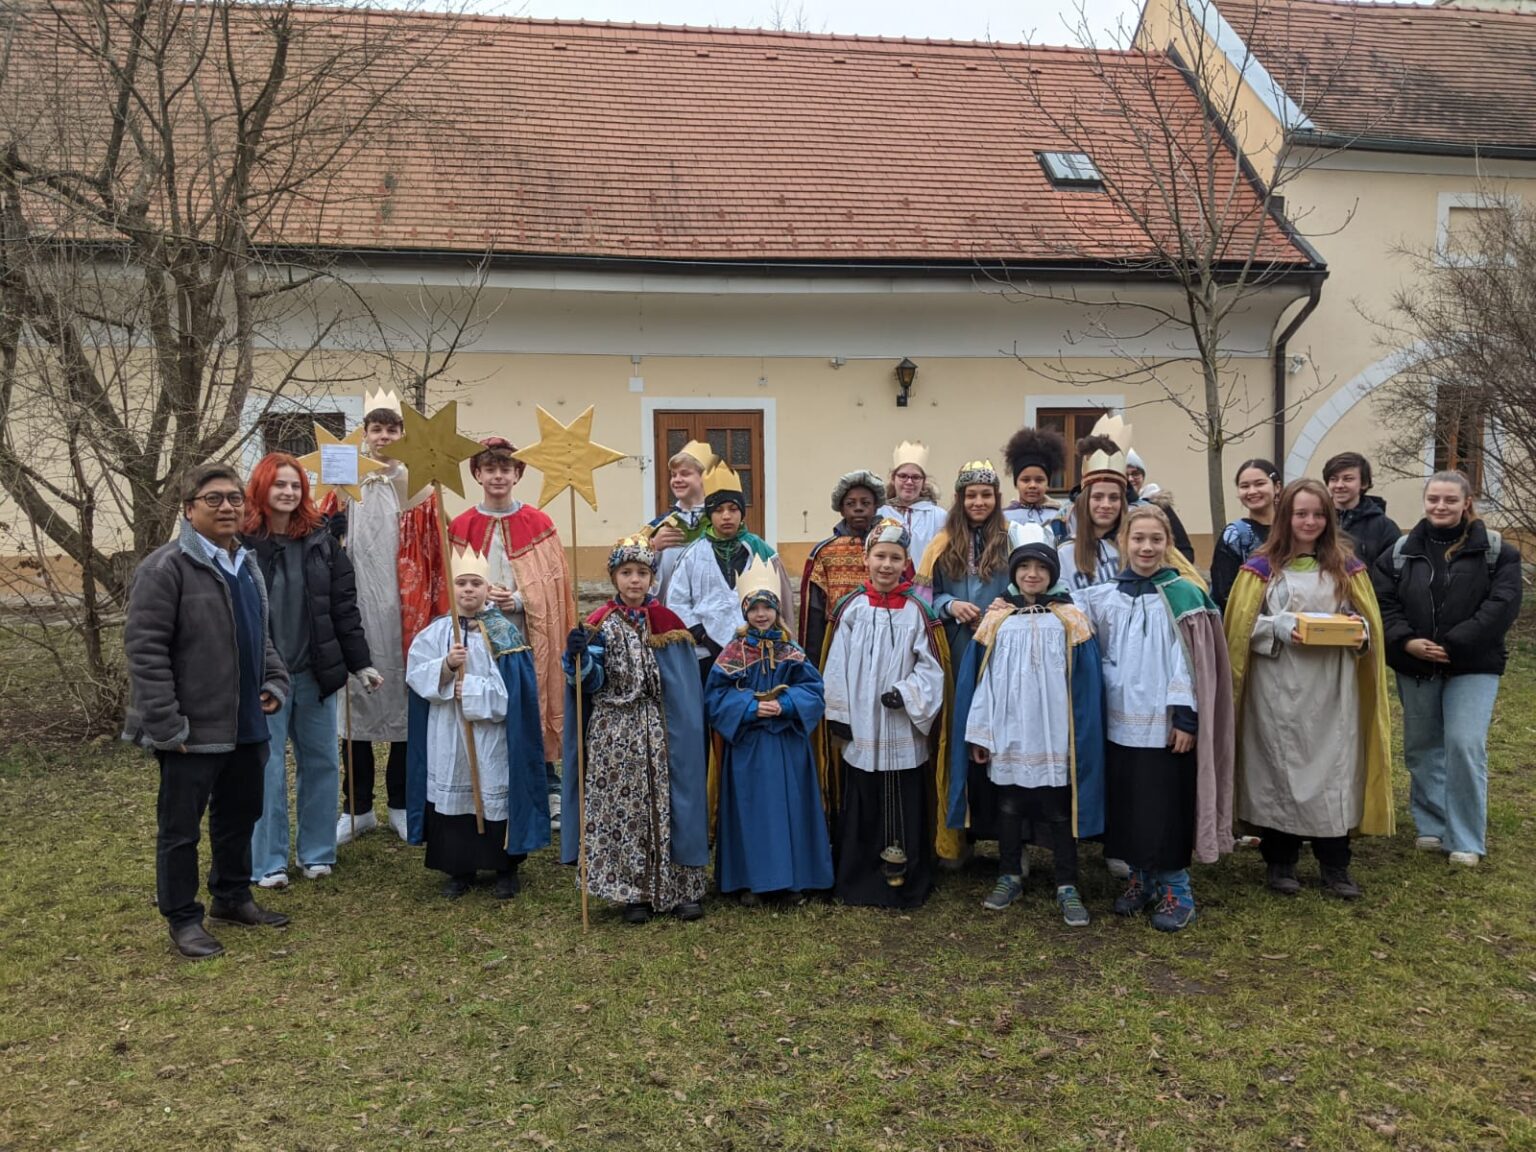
1298	460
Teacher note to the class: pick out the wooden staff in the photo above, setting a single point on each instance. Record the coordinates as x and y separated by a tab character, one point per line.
581	739
346	705
453	615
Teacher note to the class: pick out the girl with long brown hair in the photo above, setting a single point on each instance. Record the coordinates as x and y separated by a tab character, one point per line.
1090	556
1313	735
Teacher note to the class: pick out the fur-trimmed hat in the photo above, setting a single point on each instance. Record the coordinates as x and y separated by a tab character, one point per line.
862	478
1035	447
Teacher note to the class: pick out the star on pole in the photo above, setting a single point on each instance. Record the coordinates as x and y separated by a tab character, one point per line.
567	457
315	463
432	448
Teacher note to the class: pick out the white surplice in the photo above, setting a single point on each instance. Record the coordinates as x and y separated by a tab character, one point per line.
874	650
1022	710
1145	670
484	704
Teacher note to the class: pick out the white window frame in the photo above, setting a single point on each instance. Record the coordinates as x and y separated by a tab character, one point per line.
1445	204
258	407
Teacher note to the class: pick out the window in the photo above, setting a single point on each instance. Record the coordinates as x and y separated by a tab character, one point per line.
1468	223
1459	423
1071	170
1073	424
294	432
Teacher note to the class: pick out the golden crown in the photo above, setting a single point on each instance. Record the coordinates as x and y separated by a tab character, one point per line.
383	398
757	576
468	562
910	452
700	451
720	478
976	472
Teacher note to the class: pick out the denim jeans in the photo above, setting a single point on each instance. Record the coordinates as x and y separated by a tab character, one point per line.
310	722
1445	743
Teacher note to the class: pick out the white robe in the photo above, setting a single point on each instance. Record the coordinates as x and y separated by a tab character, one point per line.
373	546
698	593
1043	515
484	703
1022	710
874	650
924	520
1145	670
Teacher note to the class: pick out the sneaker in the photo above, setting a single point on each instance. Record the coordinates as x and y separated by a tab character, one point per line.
456	886
636	913
1119	869
1073	910
1338	882
1428	844
1282	879
1465	859
397	822
1175	911
1137	895
1007	890
316	871
507	886
554	811
273	880
364	822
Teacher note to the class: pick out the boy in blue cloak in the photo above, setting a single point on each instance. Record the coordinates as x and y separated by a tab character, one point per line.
488	679
765	699
1029	698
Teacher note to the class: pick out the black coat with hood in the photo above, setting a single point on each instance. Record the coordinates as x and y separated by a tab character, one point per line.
337	644
1369	526
1478	605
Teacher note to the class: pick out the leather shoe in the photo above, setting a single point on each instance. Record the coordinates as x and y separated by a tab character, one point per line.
194	942
247	915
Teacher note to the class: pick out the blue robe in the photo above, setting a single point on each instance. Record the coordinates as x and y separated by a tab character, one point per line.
527	785
683	705
771	832
1087	691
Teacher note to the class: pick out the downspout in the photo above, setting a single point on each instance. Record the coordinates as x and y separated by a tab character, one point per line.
1314	295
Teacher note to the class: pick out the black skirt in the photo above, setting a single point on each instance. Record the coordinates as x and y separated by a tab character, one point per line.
862	835
981	796
455	847
1149	817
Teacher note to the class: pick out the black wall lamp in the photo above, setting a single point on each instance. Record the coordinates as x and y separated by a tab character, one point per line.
906	372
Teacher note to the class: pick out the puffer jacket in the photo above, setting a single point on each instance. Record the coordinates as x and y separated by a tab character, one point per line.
183	657
1476	612
1369	526
337	644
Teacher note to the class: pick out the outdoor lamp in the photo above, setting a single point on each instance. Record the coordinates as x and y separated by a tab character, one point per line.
906	372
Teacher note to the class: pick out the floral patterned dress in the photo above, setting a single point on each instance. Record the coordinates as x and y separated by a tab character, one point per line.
629	807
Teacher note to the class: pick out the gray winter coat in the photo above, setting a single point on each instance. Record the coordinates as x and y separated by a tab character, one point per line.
183	659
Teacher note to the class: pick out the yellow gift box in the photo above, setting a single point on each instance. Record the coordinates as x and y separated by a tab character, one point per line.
1325	629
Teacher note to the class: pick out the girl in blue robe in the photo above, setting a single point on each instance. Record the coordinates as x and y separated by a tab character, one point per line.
765	699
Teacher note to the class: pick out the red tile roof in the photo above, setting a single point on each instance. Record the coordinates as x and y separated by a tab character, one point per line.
574	140
1437	75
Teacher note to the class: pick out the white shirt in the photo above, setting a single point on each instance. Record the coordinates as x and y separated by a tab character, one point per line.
874	650
222	556
924	520
698	593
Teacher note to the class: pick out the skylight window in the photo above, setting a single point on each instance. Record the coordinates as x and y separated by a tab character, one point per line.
1071	170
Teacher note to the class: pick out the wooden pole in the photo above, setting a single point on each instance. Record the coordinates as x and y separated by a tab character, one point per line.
581	739
346	704
453	616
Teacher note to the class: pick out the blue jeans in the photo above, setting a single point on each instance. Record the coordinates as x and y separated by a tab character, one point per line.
310	722
1445	743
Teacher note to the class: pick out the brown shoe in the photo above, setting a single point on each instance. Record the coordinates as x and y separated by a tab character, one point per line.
247	915
194	942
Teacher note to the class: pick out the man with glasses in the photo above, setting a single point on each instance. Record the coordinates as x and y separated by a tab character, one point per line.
203	675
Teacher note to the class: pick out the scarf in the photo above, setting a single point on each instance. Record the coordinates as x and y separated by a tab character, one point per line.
895	598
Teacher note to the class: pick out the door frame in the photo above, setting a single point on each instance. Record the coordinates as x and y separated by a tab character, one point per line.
650	405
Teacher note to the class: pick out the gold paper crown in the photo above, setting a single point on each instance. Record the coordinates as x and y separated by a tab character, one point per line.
699	451
910	452
467	562
757	576
383	398
976	472
1102	465
1116	429
720	478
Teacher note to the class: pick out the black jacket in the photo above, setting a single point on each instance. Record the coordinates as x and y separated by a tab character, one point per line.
336	641
1369	526
1478	608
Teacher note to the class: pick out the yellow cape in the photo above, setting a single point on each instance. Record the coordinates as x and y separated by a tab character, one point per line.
1378	817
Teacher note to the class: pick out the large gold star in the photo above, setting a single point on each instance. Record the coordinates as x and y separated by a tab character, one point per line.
432	448
312	463
567	457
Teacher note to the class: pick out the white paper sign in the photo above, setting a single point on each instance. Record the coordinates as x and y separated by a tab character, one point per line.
338	464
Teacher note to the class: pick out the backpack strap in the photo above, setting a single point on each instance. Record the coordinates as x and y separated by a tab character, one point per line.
1397	556
1491	557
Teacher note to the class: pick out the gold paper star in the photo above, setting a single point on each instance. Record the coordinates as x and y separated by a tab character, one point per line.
567	457
311	463
432	448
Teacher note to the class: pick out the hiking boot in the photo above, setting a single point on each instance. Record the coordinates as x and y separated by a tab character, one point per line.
1073	911
1007	890
1282	879
1137	895
1175	910
1338	882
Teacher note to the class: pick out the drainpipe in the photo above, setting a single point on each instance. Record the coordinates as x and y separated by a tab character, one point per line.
1314	295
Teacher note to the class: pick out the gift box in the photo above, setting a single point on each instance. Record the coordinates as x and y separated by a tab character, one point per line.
1325	629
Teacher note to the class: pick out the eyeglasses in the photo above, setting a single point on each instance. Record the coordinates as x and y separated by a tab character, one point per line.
215	499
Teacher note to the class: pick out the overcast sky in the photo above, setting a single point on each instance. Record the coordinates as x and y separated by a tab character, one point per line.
1042	21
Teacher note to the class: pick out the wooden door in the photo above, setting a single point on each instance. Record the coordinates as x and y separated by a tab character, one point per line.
736	437
1073	424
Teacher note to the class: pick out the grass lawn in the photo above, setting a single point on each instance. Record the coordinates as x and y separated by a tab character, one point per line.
386	1018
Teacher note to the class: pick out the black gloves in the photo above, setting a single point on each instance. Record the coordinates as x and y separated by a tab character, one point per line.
577	642
892	699
840	730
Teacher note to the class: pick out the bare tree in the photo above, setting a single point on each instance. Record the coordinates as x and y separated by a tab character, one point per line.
1201	188
169	170
1466	330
